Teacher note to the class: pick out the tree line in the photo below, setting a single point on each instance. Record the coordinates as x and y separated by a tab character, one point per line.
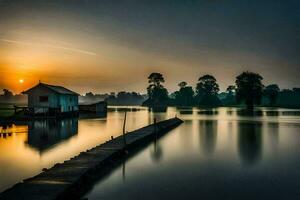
248	90
8	97
120	98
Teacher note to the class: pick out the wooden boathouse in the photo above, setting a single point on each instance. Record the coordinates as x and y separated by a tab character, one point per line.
51	99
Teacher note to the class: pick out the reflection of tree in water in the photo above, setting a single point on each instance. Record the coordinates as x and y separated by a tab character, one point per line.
124	170
249	113
186	137
208	112
208	135
157	152
186	112
273	131
272	113
156	116
250	142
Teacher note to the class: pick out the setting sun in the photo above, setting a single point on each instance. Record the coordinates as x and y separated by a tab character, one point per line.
21	81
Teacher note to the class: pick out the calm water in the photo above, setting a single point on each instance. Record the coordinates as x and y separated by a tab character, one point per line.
214	155
218	154
26	149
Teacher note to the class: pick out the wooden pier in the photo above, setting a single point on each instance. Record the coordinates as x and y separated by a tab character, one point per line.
70	179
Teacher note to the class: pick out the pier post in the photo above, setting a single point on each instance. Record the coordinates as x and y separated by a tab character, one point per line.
124	129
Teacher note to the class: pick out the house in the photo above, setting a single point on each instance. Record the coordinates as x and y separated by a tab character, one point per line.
51	99
99	107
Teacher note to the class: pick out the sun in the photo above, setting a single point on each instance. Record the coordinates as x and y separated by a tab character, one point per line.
21	81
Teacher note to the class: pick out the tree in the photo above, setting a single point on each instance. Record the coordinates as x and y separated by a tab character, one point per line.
231	89
249	89
229	99
89	95
272	91
157	94
182	84
185	95
156	79
7	93
207	90
125	98
207	85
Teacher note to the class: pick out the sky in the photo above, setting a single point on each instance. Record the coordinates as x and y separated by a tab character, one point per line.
109	45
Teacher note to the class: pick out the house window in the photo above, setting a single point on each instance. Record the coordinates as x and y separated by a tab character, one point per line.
43	98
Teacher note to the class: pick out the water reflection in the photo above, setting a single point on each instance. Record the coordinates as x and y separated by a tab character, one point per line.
124	170
156	153
273	132
221	137
208	112
5	134
291	113
208	135
272	113
252	113
186	112
43	135
268	144
250	141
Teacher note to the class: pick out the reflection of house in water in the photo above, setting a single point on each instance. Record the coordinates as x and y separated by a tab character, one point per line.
43	135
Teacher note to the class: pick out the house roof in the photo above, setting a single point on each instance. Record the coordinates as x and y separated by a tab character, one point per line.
54	88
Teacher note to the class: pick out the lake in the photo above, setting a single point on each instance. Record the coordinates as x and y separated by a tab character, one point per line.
221	153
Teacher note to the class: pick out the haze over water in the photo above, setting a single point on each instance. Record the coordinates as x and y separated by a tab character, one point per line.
217	156
213	154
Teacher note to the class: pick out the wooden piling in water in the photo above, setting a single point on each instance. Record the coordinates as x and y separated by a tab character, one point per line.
69	179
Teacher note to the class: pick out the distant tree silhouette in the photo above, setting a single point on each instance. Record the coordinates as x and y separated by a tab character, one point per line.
157	94
182	84
207	90
272	92
156	79
9	97
125	98
185	95
249	89
231	89
289	98
207	85
7	93
229	99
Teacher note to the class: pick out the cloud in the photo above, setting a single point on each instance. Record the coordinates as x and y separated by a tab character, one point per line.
49	46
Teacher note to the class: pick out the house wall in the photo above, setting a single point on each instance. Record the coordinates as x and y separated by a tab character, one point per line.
64	102
42	107
101	107
68	103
